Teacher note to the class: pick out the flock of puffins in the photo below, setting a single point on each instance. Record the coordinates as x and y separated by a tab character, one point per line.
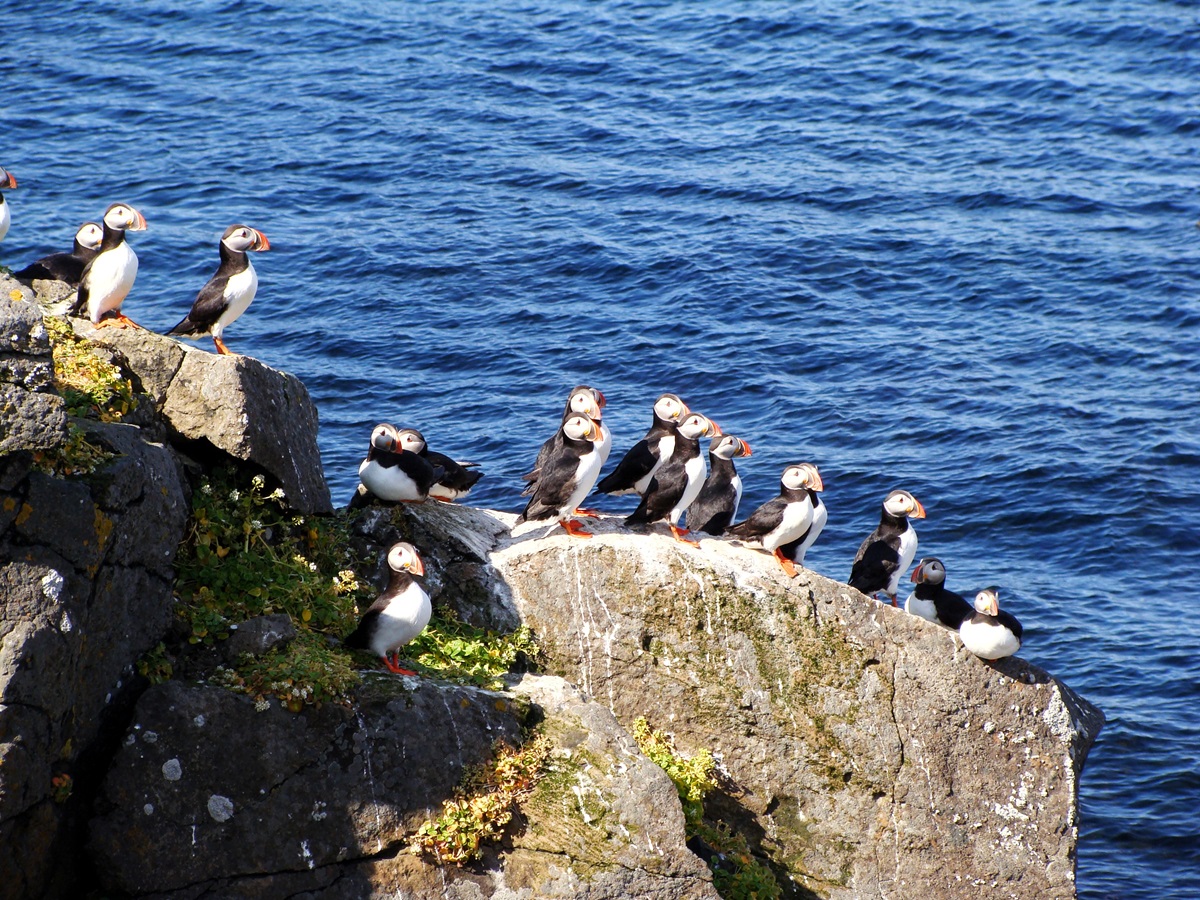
665	469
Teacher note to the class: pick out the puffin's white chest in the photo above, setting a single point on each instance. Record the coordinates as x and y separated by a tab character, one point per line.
5	218
604	445
110	279
914	605
819	517
797	516
666	449
908	550
388	483
987	638
585	479
694	468
736	481
405	616
239	293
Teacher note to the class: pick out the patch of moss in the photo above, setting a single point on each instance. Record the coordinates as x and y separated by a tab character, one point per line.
92	387
75	456
484	803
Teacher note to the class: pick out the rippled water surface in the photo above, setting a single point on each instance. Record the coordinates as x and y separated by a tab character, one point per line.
943	246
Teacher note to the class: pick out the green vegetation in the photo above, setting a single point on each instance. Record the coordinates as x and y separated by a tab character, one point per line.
92	387
246	555
737	874
484	802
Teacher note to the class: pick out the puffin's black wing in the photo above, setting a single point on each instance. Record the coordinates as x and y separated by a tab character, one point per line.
663	492
1009	621
712	510
360	637
952	609
554	486
877	559
209	305
762	521
548	448
633	466
455	474
55	267
81	295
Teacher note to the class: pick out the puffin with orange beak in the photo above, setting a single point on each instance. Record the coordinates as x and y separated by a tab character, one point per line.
399	615
633	473
567	475
675	484
932	600
230	291
716	505
786	519
395	474
889	550
991	633
108	278
8	181
584	401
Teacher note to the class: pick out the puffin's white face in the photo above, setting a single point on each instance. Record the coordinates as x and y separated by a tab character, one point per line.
411	440
670	407
121	216
902	503
802	476
384	437
696	426
403	558
580	428
929	571
89	235
242	238
987	601
727	446
584	401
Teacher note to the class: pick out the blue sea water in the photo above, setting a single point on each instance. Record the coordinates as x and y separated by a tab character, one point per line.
944	246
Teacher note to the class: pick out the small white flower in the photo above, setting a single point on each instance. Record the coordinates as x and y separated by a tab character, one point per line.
235	495
206	489
276	494
262	704
258	481
312	567
256	524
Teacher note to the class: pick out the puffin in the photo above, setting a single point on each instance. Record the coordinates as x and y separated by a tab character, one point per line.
399	615
797	549
393	473
230	291
8	181
457	478
931	600
716	505
106	280
887	552
784	519
567	476
633	473
991	633
66	267
677	482
583	400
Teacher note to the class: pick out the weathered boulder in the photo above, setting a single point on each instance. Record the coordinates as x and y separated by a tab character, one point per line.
870	752
32	416
325	802
234	403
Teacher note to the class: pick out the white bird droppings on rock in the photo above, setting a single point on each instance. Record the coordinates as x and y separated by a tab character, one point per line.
172	770
220	808
148	809
52	585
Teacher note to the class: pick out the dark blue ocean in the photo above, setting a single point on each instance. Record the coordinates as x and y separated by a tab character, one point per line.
945	246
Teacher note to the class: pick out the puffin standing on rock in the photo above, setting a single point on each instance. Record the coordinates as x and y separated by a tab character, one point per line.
991	633
107	279
677	482
457	477
717	503
399	615
230	291
889	550
8	181
66	267
394	474
931	600
567	476
784	519
584	401
633	473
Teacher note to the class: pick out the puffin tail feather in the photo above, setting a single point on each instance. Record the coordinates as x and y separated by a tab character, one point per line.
187	326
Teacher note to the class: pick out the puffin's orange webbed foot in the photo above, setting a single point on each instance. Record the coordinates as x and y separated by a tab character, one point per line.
680	535
221	348
394	666
587	513
788	566
574	529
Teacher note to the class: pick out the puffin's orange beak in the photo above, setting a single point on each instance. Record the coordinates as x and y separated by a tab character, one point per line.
919	512
139	223
10	180
819	483
916	575
262	243
746	451
717	432
600	399
418	567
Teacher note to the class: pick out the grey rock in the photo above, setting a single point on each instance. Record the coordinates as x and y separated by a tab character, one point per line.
235	403
323	801
31	416
30	420
259	635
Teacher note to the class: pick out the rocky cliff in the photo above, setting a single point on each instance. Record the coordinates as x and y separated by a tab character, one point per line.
860	752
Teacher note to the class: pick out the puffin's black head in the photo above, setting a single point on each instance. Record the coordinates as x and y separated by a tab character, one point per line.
586	401
670	408
7	179
929	571
801	476
242	238
987	601
901	504
411	440
695	426
383	437
89	236
727	446
123	217
582	428
402	557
